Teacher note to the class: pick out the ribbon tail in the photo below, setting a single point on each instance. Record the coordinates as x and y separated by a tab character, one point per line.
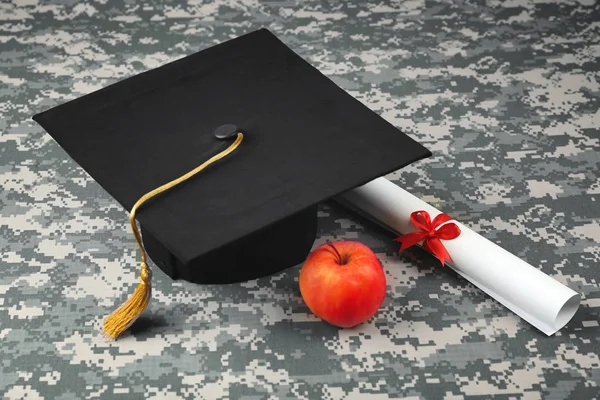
438	250
426	246
410	239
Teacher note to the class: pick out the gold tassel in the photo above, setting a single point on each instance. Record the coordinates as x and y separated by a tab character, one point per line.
124	316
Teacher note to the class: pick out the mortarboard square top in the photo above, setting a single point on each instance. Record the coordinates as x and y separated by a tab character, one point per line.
253	213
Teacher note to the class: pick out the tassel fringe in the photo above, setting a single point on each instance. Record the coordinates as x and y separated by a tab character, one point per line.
124	316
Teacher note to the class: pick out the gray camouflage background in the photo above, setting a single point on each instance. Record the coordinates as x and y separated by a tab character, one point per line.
505	93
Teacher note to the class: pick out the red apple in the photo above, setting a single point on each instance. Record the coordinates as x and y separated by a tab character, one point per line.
343	283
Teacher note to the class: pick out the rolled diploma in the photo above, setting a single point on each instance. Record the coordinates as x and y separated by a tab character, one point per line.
534	296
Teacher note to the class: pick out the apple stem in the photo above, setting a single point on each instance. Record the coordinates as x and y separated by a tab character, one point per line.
340	260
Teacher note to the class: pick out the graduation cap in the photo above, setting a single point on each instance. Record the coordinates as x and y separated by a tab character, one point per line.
222	158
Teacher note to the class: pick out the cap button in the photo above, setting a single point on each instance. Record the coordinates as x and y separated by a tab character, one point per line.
226	131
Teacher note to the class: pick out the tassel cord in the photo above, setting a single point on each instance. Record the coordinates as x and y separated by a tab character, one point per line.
169	185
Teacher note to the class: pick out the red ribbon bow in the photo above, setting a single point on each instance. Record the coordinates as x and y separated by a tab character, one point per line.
431	233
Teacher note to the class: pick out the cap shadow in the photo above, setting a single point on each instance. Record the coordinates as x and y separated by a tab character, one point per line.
145	327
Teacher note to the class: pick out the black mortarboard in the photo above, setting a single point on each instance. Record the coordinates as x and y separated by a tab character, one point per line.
252	213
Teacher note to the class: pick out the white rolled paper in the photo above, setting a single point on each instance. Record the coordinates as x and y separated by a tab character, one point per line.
534	296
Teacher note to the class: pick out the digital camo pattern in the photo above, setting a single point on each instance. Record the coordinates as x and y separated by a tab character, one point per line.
507	96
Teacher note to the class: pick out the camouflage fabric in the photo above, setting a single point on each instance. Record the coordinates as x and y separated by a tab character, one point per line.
505	93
